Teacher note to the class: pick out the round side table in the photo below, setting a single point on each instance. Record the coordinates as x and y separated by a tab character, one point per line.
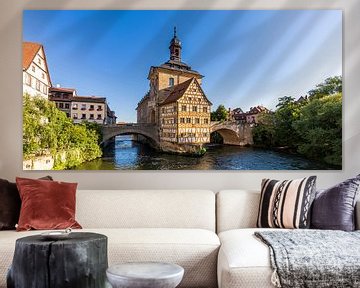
78	261
145	275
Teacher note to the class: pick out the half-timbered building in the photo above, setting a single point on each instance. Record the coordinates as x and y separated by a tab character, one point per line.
176	103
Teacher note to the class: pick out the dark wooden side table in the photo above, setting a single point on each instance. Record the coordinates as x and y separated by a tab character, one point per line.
79	261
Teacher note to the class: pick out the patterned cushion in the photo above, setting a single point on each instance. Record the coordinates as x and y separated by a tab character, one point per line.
286	204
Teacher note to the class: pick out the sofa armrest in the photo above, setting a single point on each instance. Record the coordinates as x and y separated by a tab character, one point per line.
357	215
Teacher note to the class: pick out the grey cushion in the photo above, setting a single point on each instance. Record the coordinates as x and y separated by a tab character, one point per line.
334	208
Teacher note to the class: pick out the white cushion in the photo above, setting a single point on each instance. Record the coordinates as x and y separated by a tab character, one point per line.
236	209
244	261
196	250
146	209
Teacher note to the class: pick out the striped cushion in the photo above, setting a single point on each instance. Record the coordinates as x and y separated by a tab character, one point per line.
286	204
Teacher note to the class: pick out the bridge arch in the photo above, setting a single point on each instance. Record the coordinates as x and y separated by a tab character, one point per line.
233	132
147	131
230	137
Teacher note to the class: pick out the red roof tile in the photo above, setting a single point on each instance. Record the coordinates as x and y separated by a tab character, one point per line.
29	51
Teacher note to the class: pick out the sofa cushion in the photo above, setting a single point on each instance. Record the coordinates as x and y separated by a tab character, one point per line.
286	204
334	208
146	209
10	204
236	209
194	249
244	260
46	204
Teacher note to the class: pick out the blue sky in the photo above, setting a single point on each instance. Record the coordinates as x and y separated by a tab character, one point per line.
248	57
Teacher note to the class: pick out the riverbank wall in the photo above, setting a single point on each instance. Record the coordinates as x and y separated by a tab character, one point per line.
58	161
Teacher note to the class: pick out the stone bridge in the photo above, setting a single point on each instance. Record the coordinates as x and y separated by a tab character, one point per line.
233	132
149	131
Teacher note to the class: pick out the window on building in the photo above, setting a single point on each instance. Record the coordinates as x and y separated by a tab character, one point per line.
197	120
75	116
206	121
42	75
194	108
182	120
75	106
99	108
28	79
91	107
83	116
188	120
67	105
171	81
174	108
99	116
183	108
163	110
68	115
38	85
174	120
205	110
61	105
39	61
83	106
91	116
33	68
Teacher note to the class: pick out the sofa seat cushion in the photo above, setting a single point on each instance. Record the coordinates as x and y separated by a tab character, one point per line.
196	250
244	261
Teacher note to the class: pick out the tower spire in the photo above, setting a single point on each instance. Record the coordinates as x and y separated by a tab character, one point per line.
175	48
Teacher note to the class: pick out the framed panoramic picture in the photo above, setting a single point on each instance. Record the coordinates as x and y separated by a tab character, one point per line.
182	90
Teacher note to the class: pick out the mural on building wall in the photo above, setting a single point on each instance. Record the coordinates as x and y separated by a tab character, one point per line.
182	90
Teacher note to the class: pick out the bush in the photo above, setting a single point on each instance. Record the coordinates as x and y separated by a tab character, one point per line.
47	130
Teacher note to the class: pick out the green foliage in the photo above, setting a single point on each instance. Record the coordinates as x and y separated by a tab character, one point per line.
320	126
264	132
220	114
331	85
286	115
47	130
312	128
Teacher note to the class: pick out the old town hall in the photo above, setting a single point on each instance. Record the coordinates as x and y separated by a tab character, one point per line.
176	102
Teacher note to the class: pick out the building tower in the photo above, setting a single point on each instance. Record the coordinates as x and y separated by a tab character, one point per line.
175	48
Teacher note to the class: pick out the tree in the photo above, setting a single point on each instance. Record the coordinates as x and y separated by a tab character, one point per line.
330	86
220	114
287	113
320	126
312	128
47	130
264	131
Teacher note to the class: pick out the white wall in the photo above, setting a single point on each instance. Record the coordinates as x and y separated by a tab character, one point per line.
11	90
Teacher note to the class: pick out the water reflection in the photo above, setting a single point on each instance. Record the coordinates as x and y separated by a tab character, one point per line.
126	154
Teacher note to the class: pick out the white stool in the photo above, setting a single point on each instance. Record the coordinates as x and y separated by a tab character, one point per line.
145	275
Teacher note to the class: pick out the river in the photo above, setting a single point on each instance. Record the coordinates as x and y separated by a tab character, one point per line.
126	154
